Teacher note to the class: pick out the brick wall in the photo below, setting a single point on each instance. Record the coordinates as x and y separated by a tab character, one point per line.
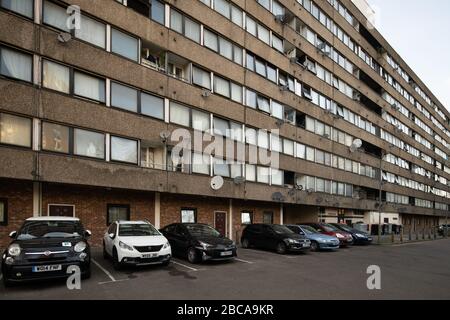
91	205
19	198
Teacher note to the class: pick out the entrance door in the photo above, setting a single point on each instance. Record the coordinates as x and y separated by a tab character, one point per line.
61	210
220	222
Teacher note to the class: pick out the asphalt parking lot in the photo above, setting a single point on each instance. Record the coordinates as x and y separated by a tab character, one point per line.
409	271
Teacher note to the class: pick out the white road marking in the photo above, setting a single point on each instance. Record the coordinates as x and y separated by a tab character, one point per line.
183	265
104	282
104	270
245	261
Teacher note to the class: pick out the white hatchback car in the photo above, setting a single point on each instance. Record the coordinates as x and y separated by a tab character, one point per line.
135	243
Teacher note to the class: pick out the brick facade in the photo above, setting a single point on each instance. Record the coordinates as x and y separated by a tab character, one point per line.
19	199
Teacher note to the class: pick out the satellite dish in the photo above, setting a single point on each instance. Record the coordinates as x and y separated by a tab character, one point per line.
239	180
216	182
277	196
164	135
357	143
64	37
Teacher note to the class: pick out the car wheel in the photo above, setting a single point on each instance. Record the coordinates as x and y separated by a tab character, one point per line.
116	263
314	246
192	255
281	248
245	243
166	263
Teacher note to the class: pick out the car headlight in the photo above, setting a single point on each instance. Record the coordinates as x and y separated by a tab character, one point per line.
125	246
166	245
339	235
80	246
360	235
291	240
14	250
204	245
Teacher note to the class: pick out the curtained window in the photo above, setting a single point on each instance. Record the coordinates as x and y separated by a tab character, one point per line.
192	30
89	87
202	78
124	97
56	76
179	114
15	130
92	31
124	45
55	137
16	64
23	7
89	144
124	150
200	120
210	40
200	163
152	106
55	16
222	86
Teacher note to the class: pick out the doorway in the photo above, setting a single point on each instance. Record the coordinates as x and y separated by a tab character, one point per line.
220	222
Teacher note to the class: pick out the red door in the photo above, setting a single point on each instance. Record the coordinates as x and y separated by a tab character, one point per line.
220	222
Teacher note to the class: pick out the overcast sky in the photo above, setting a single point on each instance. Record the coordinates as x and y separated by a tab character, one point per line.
419	30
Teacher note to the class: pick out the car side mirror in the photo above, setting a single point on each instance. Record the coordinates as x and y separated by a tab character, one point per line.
13	234
112	235
301	233
87	233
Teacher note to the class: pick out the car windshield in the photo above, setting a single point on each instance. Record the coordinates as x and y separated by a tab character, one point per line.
202	230
329	228
50	229
345	227
137	230
309	230
281	229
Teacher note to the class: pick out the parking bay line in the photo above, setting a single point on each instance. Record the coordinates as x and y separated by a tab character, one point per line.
183	265
245	261
107	273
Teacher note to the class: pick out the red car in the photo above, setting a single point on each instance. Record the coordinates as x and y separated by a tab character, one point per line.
345	238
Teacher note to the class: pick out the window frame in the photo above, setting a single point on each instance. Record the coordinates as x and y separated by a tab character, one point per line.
194	210
111	136
22	52
4	222
31	132
111	205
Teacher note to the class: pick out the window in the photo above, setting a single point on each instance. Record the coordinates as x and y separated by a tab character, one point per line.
236	92
288	147
251	26
221	168
236	15
263	139
15	130
192	30
55	137
236	170
158	11
210	40
263	34
117	212
222	7
152	106
263	175
176	21
92	31
188	215
251	98
310	154
250	172
200	120
277	177
200	163
124	97
263	104
23	7
89	87
3	212
246	217
221	86
56	76
201	78
268	217
250	136
124	150
15	64
221	127
89	144
124	45
55	16
179	114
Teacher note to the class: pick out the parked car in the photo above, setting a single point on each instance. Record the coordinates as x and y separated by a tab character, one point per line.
345	238
274	237
44	248
135	243
444	229
199	242
359	237
318	240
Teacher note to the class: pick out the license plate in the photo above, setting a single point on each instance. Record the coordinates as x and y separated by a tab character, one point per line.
305	245
370	239
54	267
149	255
226	253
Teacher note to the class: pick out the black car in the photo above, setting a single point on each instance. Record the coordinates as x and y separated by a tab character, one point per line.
444	229
359	237
274	237
44	248
198	242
